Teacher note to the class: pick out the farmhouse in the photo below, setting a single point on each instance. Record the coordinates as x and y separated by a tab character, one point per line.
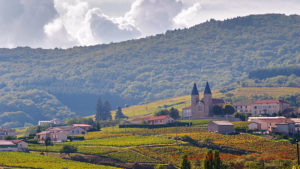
222	127
86	127
13	145
201	108
60	134
165	119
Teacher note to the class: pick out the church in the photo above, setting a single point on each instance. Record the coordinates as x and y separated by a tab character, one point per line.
201	109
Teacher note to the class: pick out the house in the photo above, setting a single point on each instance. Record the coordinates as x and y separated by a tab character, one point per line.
6	132
243	107
254	126
55	136
268	107
13	145
222	127
86	127
286	128
165	119
201	108
60	134
267	122
50	122
139	120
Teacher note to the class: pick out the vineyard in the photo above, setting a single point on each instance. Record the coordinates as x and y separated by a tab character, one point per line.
29	160
159	146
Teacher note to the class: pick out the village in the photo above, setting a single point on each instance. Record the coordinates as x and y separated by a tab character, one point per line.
261	116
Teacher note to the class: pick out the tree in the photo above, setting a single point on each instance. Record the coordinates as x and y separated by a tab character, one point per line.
119	114
185	163
228	109
99	109
212	160
217	110
106	111
174	113
47	143
162	112
103	110
68	149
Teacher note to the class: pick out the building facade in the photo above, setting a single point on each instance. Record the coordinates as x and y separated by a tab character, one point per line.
222	127
262	107
201	108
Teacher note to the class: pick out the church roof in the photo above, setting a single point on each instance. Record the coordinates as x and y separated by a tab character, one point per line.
195	90
207	89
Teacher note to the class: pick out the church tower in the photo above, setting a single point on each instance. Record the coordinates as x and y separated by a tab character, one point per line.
194	100
208	105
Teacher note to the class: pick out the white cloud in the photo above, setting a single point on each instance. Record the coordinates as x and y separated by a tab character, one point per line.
22	22
65	23
153	16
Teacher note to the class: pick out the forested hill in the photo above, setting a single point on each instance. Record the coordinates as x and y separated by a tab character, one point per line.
155	67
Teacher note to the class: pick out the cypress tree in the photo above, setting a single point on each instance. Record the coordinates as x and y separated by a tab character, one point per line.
185	163
106	111
212	160
119	114
99	109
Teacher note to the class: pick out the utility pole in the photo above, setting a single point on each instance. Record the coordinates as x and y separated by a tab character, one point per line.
297	151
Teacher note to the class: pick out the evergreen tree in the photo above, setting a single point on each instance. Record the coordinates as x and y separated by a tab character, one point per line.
212	160
185	163
119	114
106	111
99	109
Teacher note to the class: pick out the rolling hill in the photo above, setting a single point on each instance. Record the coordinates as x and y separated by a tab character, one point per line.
154	67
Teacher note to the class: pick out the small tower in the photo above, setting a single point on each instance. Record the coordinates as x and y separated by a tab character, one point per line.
208	105
194	99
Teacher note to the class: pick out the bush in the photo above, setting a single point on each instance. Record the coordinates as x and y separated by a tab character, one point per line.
68	149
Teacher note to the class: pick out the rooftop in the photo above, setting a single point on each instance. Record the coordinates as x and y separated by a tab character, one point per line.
223	123
269	101
158	117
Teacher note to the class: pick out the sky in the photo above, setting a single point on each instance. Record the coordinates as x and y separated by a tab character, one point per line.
68	23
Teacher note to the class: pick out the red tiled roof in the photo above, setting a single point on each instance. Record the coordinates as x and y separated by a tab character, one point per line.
269	101
158	117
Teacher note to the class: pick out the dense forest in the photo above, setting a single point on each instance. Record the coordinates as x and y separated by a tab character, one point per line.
275	71
151	68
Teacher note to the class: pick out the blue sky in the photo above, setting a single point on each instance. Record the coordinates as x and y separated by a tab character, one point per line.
68	23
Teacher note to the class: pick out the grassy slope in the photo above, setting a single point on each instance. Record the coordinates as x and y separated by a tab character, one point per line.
183	101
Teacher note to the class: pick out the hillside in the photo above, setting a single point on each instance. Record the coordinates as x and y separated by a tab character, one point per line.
180	102
155	67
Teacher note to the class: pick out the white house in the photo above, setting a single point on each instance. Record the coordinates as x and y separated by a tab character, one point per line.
60	134
13	145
